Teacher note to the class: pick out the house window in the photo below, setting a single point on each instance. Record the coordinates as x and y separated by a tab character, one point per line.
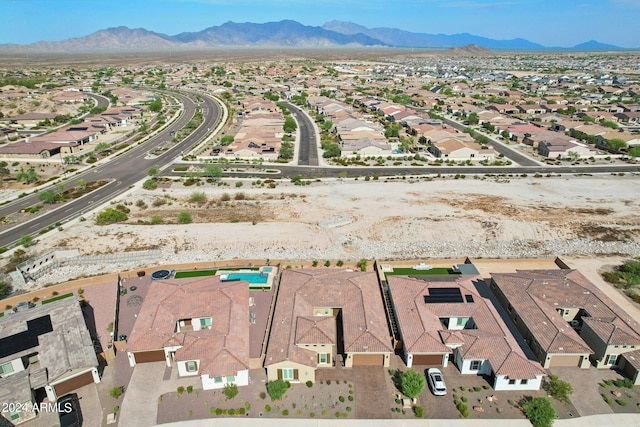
231	378
192	366
14	415
475	365
205	323
288	374
611	359
217	380
523	382
7	368
512	382
323	358
461	321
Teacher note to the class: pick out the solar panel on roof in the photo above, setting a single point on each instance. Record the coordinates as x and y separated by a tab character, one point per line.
443	296
27	339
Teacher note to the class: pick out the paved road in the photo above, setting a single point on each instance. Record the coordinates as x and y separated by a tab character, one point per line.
308	149
500	147
287	171
122	172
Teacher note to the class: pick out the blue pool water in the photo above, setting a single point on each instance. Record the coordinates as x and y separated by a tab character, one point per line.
256	278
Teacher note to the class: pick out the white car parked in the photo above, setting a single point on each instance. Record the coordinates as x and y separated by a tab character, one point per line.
436	382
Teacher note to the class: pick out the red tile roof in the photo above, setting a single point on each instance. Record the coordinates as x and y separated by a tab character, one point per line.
358	296
424	333
223	349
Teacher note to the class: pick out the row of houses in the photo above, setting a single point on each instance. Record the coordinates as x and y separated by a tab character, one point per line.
326	318
358	134
260	131
68	139
335	318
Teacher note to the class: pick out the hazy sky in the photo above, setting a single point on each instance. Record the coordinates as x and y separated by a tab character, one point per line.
549	22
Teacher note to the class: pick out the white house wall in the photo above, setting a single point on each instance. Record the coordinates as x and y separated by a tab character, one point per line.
502	383
241	379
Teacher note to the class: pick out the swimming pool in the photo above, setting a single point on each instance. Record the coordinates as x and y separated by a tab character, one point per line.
254	278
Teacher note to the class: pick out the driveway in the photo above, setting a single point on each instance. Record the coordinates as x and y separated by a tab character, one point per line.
148	382
586	396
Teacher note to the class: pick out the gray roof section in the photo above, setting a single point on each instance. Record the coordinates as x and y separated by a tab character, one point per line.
67	347
16	388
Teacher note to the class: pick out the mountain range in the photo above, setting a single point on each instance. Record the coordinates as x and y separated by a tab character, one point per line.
285	33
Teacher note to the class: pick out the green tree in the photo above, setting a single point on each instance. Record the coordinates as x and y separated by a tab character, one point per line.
286	150
71	160
97	110
633	152
362	264
540	412
290	125
27	176
473	119
81	184
111	216
212	171
331	150
155	105
26	240
277	389
226	140
47	196
327	126
559	389
4	170
101	147
153	171
412	383
616	144
184	217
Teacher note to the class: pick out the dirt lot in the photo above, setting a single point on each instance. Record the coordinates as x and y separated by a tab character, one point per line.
353	219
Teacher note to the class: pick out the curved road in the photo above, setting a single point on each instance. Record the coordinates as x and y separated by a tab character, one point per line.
123	171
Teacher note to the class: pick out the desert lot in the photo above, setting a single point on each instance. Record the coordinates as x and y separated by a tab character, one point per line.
386	219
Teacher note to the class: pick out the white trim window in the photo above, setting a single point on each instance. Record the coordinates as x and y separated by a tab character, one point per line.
287	374
192	366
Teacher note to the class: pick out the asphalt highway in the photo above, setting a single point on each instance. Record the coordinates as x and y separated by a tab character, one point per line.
121	172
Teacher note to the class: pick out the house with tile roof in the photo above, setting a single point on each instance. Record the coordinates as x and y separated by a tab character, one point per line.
442	320
566	319
46	349
325	318
200	324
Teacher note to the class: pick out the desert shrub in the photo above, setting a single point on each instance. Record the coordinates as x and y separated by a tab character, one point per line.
626	383
150	184
277	389
184	217
230	391
198	197
189	389
418	411
285	412
157	219
116	392
225	197
111	216
309	383
239	196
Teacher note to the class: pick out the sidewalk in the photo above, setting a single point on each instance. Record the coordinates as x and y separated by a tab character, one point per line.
620	420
